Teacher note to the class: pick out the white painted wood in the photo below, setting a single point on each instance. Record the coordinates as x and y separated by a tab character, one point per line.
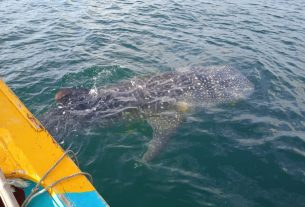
6	194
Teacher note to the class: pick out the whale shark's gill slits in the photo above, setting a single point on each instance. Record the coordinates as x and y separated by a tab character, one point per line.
184	80
88	103
157	79
176	92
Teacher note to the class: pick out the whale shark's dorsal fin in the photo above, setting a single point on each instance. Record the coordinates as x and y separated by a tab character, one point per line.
163	125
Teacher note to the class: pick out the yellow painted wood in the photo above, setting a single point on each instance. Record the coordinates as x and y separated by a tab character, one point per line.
27	150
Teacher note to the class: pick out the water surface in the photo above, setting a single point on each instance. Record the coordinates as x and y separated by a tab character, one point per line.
251	153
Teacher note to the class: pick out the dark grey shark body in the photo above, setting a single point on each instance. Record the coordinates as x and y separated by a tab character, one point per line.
160	99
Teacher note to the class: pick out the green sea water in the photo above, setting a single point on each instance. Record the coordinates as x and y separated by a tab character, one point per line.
251	153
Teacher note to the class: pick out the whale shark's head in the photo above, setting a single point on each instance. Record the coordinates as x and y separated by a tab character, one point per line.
76	98
67	95
73	111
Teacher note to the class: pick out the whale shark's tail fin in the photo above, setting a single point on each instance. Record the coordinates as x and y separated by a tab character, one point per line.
163	125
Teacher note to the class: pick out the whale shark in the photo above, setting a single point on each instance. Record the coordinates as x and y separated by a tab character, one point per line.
162	99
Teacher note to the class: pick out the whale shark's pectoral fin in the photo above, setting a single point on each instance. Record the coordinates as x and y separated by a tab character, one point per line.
163	126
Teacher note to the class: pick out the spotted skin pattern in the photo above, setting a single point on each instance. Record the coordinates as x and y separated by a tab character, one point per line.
161	99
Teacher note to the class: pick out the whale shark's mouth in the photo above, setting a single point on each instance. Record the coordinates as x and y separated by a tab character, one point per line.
75	98
66	95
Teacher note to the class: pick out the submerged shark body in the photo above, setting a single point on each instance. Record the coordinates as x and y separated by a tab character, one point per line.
161	99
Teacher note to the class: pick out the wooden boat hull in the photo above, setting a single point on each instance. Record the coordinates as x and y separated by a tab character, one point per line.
28	151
